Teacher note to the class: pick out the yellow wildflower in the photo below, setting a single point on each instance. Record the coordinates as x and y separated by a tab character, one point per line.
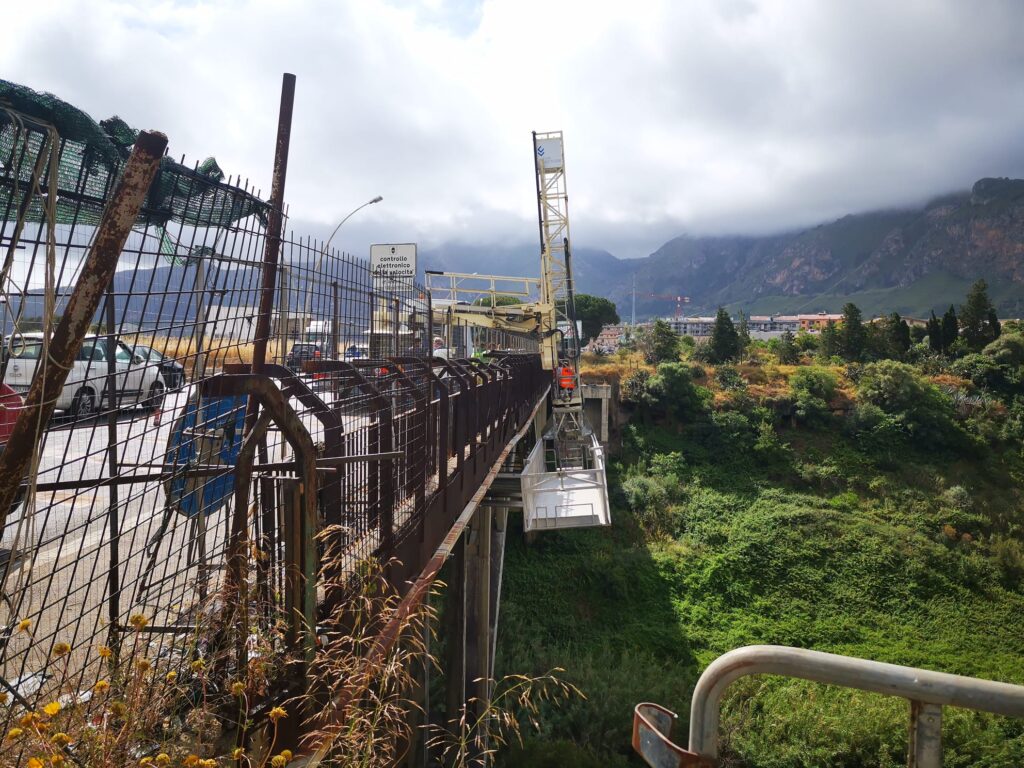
14	733
52	709
28	719
138	621
208	763
34	762
278	761
172	676
56	759
61	649
277	713
143	665
105	652
60	739
237	753
286	754
191	760
101	687
198	665
3	697
24	624
146	761
163	759
238	688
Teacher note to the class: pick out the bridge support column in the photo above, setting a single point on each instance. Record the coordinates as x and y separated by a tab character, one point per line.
455	633
478	612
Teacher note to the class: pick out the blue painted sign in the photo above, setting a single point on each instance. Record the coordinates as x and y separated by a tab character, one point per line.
216	420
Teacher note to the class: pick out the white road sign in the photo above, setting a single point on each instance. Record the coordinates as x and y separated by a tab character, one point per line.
394	260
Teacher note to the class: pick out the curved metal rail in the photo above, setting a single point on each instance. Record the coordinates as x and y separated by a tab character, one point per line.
926	690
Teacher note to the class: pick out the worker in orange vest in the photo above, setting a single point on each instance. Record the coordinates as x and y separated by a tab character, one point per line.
566	381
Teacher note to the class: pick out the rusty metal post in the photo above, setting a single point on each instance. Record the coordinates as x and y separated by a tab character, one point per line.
97	271
395	331
335	321
274	226
113	524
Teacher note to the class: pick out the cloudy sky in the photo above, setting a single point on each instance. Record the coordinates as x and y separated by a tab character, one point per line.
697	116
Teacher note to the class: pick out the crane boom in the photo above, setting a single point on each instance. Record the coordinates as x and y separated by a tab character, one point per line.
564	483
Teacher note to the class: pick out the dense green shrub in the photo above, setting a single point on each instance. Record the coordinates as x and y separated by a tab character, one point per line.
813	387
986	372
671	392
899	390
729	378
1008	350
634	386
817	381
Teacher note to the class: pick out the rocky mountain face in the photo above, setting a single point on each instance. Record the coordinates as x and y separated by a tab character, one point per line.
911	261
908	260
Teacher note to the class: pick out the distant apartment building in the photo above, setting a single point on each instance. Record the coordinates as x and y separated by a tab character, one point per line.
759	326
608	340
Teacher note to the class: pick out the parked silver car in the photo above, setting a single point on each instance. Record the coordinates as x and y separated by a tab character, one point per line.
138	381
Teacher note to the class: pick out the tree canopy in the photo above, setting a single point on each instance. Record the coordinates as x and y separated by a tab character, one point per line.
659	343
594	312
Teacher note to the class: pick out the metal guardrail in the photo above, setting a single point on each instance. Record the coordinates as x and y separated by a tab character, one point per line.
927	691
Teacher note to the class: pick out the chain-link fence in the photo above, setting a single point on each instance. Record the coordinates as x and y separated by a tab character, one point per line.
167	456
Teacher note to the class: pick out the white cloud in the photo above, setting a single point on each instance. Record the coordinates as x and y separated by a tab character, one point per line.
702	116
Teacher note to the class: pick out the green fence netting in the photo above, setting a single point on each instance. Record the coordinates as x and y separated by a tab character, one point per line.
91	157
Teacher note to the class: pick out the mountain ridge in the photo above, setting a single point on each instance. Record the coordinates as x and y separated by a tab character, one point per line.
911	260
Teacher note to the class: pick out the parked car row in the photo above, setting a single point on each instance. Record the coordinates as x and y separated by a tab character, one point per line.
142	375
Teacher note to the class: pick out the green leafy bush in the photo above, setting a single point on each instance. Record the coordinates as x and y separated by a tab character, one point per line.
816	381
729	378
899	390
634	386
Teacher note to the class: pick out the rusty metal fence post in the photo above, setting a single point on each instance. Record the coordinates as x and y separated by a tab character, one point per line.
97	272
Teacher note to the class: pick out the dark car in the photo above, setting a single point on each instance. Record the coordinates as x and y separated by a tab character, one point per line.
171	371
302	351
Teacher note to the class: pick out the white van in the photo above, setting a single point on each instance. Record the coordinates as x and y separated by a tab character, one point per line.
138	380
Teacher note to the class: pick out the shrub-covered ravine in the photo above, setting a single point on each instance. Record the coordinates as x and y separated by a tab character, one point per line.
872	509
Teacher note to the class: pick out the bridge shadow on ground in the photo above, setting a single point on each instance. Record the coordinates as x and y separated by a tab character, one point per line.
594	603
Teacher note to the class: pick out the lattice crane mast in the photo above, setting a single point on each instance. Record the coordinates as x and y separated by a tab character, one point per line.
564	483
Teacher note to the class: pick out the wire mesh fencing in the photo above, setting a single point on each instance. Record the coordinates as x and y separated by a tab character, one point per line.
169	469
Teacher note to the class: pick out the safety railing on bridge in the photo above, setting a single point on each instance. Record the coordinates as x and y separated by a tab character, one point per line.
927	691
144	500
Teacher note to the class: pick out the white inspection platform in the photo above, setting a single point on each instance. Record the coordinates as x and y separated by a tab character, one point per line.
568	498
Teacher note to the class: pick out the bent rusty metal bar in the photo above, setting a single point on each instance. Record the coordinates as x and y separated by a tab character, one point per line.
96	274
301	573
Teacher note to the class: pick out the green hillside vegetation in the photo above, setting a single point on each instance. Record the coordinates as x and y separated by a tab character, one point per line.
870	508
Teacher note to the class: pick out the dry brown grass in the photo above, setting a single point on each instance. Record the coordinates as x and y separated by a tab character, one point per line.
219	352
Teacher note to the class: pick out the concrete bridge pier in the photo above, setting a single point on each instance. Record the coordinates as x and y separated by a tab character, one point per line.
471	616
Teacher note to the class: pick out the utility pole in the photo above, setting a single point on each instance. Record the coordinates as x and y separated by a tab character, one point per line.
632	319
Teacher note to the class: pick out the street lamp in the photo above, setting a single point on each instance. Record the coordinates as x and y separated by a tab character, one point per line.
323	252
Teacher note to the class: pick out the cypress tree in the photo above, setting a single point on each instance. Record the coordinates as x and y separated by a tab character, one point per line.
935	338
852	335
725	341
994	327
974	316
950	328
829	345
